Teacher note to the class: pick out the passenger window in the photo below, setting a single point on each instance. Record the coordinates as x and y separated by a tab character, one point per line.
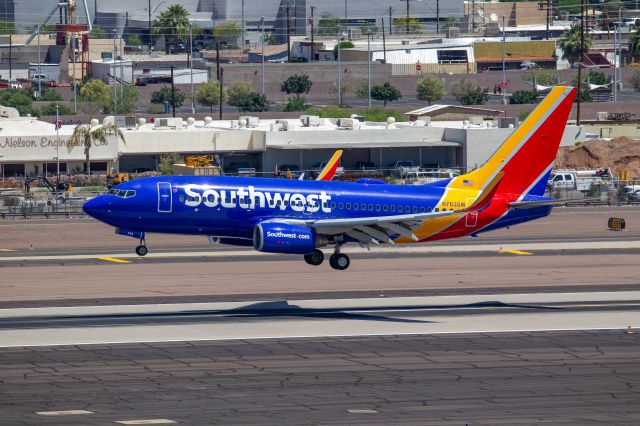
348	206
333	206
415	209
437	209
181	198
421	209
341	206
363	206
428	209
325	204
385	208
407	209
355	206
371	207
377	207
112	192
393	208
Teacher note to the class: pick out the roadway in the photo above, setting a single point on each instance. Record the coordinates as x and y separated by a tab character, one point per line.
520	326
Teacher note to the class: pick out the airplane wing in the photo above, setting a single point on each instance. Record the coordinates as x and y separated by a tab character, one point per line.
376	229
330	169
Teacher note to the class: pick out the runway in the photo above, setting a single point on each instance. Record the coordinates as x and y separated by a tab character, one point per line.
581	377
521	326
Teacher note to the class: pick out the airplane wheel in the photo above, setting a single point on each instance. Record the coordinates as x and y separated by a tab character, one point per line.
315	258
339	261
141	250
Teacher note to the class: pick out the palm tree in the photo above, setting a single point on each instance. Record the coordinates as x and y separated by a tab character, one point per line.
570	43
173	23
634	42
87	134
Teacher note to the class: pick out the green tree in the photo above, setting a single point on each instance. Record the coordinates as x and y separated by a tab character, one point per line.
362	90
385	93
634	79
95	92
227	33
297	84
208	94
570	43
253	102
467	92
164	95
167	161
328	25
634	41
50	109
173	23
524	97
134	40
236	92
343	45
98	32
49	95
17	99
125	102
569	6
597	77
296	104
401	25
87	134
430	88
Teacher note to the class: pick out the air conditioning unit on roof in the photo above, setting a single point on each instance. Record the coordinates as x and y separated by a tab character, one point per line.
251	121
310	120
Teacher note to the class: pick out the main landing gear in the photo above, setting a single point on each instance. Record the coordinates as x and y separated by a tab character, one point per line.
141	250
339	261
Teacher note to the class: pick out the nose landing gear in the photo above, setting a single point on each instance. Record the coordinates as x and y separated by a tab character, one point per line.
141	250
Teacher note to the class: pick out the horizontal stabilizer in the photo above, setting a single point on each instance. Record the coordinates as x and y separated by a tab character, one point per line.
543	203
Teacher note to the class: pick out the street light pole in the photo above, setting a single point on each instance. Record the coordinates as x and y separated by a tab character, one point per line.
262	48
193	105
339	72
243	38
75	87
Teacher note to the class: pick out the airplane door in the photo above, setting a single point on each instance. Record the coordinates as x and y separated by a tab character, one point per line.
164	197
471	219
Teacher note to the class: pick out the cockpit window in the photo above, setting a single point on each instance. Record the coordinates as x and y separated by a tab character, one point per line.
122	193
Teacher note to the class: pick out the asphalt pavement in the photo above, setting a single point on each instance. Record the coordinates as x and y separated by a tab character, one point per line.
578	377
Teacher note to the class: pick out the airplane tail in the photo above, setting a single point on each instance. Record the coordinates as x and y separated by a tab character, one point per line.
527	156
331	168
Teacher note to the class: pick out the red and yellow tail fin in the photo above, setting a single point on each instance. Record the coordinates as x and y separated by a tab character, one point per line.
528	154
330	169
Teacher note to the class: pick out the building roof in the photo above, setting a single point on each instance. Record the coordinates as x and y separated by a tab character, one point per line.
442	109
515	50
270	50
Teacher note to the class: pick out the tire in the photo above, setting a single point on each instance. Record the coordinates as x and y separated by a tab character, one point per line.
141	251
315	258
340	261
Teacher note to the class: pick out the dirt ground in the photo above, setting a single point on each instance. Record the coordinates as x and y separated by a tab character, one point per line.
619	154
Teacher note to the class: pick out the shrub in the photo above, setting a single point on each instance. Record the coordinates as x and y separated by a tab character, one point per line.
164	95
524	97
467	92
296	104
385	93
254	102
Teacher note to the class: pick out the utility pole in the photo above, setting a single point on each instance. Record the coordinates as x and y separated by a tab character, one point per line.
580	61
311	21
369	66
407	16
546	6
473	15
288	36
10	59
39	61
390	20
193	102
339	72
437	16
74	40
220	94
150	40
243	37
173	93
113	72
384	44
262	46
121	73
217	61
345	11
504	63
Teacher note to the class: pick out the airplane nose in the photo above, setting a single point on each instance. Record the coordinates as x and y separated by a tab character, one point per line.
95	206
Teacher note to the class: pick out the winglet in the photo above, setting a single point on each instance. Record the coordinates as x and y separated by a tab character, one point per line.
330	169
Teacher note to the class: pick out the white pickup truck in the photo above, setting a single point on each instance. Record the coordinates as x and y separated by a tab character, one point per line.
402	168
579	180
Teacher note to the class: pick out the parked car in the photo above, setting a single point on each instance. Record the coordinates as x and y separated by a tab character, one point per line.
240	168
365	165
528	65
401	168
294	169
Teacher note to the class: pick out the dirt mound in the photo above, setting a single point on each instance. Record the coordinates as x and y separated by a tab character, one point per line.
619	154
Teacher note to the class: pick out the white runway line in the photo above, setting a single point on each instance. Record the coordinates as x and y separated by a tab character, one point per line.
64	413
408	249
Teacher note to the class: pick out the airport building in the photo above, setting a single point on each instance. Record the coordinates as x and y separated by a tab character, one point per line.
29	146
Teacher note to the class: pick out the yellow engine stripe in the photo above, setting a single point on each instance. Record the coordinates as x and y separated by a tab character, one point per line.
518	252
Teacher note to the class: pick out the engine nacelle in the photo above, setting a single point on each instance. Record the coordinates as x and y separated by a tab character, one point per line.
274	237
230	241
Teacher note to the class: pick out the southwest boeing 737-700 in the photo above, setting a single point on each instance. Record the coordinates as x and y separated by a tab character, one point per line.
300	216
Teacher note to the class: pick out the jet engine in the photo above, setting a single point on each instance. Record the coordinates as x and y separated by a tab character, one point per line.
275	237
